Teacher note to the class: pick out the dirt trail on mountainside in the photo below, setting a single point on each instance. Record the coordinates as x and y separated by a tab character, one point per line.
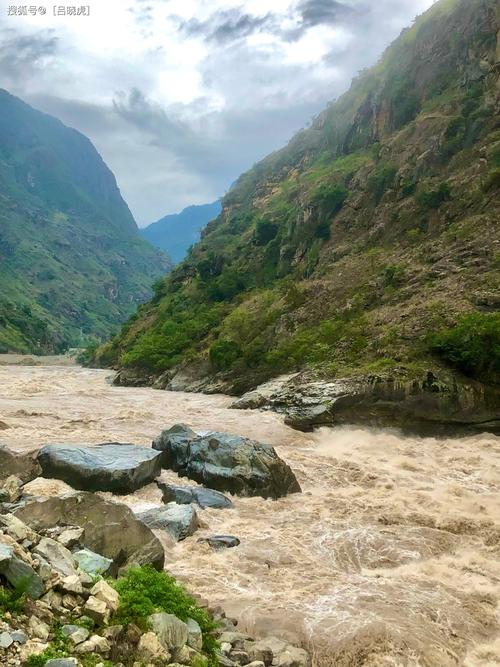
390	556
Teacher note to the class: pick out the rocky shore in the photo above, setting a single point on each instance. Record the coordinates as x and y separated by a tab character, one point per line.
433	399
82	580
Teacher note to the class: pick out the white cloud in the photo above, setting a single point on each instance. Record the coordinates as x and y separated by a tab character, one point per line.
221	82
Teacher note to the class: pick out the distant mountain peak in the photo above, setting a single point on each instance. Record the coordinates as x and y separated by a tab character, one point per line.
176	232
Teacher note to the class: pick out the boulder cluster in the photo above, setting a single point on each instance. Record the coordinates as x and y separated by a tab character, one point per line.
62	558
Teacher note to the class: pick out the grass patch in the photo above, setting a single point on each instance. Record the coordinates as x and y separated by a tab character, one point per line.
11	601
145	591
58	648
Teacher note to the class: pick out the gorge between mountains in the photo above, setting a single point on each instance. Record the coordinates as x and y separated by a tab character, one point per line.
279	446
389	556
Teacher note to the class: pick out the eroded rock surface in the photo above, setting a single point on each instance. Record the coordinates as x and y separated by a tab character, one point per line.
111	529
226	462
396	400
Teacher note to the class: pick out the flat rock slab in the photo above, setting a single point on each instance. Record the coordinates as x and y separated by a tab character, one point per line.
186	495
180	521
121	468
226	462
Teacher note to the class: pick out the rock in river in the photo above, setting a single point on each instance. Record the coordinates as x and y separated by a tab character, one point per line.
178	520
185	495
221	541
122	468
226	462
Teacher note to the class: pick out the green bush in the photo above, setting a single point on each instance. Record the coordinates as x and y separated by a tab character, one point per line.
223	354
393	275
329	199
380	180
145	591
433	198
472	345
492	180
228	285
265	232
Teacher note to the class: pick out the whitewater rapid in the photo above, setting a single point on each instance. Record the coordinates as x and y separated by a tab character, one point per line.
390	556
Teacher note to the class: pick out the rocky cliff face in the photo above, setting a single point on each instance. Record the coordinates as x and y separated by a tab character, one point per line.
72	265
366	249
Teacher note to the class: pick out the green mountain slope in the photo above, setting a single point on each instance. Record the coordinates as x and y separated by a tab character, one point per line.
72	264
369	245
175	233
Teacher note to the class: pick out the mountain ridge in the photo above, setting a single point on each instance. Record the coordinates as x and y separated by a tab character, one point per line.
365	247
176	232
72	263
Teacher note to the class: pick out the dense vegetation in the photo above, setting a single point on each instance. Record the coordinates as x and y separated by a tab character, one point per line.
72	265
368	243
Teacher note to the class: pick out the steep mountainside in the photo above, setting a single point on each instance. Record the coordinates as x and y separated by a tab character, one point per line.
72	265
368	247
177	232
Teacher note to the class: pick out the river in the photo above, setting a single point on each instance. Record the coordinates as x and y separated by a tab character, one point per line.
390	556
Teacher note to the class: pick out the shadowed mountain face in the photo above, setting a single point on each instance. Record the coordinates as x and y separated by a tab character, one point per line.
176	233
367	246
72	264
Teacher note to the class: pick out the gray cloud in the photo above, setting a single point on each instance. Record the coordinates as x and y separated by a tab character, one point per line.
21	56
321	12
252	98
226	25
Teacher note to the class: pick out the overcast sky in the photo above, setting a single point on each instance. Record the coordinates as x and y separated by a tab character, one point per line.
181	96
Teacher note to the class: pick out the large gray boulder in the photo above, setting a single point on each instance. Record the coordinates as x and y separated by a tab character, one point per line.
22	465
226	462
122	468
111	529
186	495
180	521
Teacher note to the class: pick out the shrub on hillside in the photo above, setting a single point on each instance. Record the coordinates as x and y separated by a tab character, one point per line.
381	179
472	345
432	198
265	231
329	199
223	354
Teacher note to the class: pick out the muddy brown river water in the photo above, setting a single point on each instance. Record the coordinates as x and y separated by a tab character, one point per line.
390	556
